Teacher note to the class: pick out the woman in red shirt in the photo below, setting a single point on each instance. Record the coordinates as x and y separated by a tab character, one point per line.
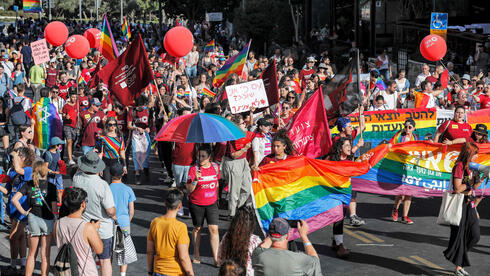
202	185
467	234
282	148
455	131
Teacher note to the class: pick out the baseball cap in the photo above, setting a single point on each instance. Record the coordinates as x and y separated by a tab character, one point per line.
311	59
279	227
481	128
95	101
263	122
116	169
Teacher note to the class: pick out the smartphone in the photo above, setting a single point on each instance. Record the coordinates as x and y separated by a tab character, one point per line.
94	220
293	223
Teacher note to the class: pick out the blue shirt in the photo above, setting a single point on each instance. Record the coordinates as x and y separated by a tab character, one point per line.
123	195
13	188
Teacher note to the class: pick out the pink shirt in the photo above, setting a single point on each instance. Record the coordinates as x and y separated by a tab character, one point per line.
206	191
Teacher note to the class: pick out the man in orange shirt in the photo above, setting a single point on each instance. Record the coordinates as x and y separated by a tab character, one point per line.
168	237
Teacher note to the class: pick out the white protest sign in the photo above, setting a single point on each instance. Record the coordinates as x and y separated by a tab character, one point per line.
214	16
245	96
40	51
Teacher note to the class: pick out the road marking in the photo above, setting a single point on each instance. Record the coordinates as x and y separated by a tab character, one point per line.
350	233
426	266
412	262
370	236
427	263
375	244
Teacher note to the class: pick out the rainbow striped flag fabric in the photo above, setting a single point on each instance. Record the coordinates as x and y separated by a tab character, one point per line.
421	99
209	47
107	44
232	65
207	92
31	6
416	168
81	80
12	93
126	30
48	123
380	84
304	188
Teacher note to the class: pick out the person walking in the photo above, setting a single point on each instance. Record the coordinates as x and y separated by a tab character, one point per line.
113	148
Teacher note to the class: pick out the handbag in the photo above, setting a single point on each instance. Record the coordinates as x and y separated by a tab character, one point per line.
118	245
451	208
129	254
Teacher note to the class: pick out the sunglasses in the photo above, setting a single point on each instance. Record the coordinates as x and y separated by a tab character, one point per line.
111	125
409	127
291	97
286	107
479	87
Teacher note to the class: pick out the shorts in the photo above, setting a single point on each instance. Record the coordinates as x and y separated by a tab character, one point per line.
199	212
57	181
70	133
3	131
107	252
38	226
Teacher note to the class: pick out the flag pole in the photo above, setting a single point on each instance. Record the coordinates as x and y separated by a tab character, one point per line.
358	73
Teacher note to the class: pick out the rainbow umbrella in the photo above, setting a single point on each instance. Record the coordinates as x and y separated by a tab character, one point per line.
200	128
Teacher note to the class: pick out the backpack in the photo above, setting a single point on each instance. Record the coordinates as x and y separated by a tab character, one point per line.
66	262
14	186
18	117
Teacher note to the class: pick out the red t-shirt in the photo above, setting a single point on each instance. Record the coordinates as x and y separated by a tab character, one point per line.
64	89
484	101
455	130
52	74
142	117
122	122
461	173
271	158
70	110
305	75
231	148
84	102
183	154
206	191
95	126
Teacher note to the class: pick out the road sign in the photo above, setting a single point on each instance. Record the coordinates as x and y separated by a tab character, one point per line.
438	24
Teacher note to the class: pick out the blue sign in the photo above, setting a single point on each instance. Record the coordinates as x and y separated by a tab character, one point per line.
438	21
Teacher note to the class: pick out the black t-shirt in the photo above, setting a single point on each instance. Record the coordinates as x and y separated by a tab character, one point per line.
34	200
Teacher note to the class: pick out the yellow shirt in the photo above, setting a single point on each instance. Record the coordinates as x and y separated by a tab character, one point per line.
166	234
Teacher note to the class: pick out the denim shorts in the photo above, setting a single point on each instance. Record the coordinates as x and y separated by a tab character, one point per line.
107	252
38	226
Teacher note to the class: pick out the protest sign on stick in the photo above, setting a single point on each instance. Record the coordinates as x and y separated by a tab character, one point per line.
40	51
245	96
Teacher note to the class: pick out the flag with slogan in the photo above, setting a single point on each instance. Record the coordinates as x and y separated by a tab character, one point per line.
309	129
304	188
129	74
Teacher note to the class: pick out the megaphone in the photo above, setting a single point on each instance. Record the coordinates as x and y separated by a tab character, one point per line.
480	168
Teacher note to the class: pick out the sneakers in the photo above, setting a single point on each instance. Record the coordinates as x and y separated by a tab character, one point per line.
71	163
407	220
137	178
461	272
356	221
394	215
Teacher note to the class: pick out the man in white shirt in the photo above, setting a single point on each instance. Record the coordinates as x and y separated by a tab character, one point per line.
390	95
425	73
189	93
191	62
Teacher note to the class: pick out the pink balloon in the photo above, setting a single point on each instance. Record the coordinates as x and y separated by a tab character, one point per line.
77	46
56	33
93	36
178	41
433	47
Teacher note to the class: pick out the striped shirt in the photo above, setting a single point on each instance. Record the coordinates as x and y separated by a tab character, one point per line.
112	146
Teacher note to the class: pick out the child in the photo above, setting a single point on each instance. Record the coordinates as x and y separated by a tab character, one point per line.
53	156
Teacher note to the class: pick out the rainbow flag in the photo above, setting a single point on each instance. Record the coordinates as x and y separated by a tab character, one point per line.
380	84
48	123
304	188
12	94
417	168
31	6
479	117
81	80
107	44
125	30
208	92
421	99
209	47
232	65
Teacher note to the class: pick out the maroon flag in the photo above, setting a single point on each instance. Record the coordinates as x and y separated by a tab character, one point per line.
444	78
167	58
309	130
94	76
128	75
269	76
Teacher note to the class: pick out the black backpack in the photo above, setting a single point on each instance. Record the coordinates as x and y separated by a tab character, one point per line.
18	117
66	262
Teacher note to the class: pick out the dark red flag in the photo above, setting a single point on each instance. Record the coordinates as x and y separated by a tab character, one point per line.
309	129
95	78
128	75
269	76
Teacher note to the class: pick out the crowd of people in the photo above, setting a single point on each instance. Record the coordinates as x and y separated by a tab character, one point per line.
109	135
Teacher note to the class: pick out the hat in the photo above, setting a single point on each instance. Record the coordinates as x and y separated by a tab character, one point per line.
56	141
342	123
263	122
279	227
481	128
222	58
53	60
90	163
311	59
322	65
116	169
466	77
95	101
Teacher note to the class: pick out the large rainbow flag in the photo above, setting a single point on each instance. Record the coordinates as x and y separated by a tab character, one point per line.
31	6
47	123
125	30
232	65
107	44
304	188
420	169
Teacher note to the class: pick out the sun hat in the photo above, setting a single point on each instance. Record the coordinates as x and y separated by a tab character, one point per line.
90	163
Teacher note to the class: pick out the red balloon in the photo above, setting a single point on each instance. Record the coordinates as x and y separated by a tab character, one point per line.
433	47
56	33
77	46
178	41
93	37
